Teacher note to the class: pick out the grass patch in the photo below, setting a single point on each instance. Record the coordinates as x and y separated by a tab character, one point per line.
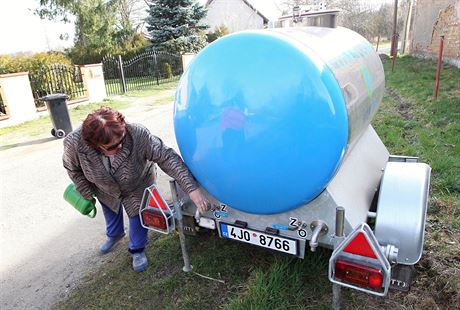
287	283
157	90
432	130
254	279
164	285
113	86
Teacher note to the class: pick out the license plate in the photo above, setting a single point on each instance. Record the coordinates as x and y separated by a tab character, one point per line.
259	238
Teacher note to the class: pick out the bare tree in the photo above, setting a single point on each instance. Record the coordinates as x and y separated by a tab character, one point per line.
133	12
369	19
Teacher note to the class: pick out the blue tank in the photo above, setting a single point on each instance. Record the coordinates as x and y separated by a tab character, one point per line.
261	120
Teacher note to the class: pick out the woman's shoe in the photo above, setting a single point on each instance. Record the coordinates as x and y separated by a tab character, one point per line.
140	262
109	243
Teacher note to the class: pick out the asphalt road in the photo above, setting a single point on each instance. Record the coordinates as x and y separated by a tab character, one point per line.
47	247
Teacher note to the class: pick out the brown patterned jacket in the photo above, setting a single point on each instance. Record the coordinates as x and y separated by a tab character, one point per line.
132	169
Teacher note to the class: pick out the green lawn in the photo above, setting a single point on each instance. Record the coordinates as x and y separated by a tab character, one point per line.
134	84
163	90
409	122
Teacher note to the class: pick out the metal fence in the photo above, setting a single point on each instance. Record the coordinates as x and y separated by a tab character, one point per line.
144	70
57	78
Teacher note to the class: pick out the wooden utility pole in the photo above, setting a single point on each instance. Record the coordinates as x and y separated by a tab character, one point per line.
394	38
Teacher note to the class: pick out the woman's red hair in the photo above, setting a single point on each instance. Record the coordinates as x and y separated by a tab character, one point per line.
101	126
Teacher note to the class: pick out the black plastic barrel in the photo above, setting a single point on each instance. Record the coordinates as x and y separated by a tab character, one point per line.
57	108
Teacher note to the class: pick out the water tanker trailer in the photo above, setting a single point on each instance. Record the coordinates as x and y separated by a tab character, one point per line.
275	126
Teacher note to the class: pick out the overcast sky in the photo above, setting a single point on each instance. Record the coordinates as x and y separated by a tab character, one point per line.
22	31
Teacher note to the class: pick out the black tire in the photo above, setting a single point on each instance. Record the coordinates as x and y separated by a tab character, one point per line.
373	208
375	200
60	133
53	132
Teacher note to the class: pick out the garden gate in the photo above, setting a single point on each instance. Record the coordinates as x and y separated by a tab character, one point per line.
143	70
57	78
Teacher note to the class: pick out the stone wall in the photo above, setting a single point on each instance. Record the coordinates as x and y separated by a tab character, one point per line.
431	20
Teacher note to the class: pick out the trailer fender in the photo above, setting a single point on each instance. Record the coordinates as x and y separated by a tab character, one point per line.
401	209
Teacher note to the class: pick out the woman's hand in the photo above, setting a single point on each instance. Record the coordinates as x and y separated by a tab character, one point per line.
200	200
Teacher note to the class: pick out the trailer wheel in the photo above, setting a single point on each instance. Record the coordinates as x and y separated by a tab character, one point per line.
60	134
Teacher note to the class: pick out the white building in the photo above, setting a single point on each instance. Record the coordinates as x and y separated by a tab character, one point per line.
322	18
236	15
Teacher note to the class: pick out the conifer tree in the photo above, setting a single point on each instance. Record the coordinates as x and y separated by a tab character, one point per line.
176	26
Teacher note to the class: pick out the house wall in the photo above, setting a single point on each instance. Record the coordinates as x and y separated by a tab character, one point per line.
234	14
431	19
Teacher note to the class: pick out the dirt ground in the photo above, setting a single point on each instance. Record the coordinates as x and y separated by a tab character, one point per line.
46	246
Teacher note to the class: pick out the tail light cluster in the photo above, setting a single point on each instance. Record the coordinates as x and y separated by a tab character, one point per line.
155	214
359	274
359	263
154	219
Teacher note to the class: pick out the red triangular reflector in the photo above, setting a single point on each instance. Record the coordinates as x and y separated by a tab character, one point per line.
157	198
360	246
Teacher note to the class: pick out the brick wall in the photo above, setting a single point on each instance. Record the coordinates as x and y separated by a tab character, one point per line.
431	20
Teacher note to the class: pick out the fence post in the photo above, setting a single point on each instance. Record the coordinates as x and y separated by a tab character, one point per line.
93	81
122	75
395	49
438	69
156	67
186	59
